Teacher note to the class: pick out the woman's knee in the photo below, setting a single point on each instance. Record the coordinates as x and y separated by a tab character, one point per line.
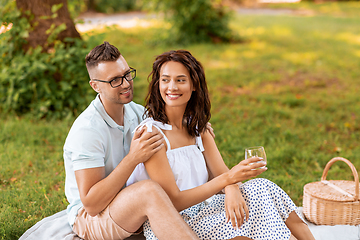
260	184
260	181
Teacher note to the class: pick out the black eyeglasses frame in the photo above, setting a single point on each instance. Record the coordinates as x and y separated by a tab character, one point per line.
132	70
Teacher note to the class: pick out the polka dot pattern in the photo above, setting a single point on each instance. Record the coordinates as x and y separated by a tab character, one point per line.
269	207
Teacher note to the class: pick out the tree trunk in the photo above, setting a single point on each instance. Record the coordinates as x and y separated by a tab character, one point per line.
43	20
91	5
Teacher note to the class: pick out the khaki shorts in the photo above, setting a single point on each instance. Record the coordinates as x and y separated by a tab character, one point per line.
102	226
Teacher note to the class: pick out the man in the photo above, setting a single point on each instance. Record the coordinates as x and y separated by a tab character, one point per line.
100	153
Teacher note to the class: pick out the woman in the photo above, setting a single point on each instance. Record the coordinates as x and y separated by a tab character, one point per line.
178	105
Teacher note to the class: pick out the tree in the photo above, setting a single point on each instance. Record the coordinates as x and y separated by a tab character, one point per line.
42	71
50	19
196	21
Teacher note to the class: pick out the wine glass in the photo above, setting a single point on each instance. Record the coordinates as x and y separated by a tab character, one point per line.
257	151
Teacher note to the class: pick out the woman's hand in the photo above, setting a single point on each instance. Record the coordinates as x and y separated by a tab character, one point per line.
246	169
235	206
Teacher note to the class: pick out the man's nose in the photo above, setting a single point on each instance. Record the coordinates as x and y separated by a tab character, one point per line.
125	83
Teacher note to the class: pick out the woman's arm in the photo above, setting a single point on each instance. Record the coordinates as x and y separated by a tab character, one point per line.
212	155
217	166
235	205
159	170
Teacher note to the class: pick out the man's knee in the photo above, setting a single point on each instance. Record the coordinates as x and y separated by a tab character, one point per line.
150	188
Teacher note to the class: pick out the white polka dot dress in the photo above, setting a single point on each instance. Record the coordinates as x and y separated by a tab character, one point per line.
269	206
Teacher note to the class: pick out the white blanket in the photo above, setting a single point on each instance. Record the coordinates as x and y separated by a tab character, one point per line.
56	227
338	232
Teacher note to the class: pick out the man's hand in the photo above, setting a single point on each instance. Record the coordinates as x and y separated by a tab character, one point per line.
210	129
145	144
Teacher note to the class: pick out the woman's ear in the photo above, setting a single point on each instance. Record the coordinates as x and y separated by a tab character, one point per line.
94	86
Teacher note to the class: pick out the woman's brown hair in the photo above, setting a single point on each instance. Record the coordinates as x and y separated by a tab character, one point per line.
197	112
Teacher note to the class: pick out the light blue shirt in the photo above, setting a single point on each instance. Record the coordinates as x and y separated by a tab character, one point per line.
96	140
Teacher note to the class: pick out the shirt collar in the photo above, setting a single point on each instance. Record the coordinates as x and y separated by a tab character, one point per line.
129	114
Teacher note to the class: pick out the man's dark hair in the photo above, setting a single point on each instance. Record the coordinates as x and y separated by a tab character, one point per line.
102	53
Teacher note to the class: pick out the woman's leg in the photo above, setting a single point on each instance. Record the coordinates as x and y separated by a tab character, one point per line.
240	238
298	228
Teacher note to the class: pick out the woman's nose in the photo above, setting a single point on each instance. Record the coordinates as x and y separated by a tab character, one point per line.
173	85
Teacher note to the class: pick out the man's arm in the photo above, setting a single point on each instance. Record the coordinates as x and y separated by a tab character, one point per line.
97	191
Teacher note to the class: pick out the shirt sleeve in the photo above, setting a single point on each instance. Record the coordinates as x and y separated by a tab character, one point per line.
85	148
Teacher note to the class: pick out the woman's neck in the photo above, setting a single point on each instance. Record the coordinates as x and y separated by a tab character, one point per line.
175	116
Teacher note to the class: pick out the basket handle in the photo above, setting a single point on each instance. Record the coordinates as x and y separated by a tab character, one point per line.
353	169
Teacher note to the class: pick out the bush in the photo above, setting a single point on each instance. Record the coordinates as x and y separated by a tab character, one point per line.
45	84
105	6
195	21
112	6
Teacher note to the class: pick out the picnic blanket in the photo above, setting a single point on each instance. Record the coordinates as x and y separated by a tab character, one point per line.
56	227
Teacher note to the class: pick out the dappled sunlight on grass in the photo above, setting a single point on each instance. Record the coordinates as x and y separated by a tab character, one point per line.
348	37
281	31
258	45
336	8
218	64
330	8
249	54
304	58
253	31
357	53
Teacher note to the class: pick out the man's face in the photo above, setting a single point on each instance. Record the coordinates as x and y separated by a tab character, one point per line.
107	71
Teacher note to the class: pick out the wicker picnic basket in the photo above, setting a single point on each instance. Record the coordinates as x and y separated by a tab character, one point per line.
333	202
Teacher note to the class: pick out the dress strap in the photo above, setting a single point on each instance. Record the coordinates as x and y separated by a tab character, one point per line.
150	122
199	143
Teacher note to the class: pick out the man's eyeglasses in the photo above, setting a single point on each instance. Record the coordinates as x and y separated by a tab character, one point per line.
116	82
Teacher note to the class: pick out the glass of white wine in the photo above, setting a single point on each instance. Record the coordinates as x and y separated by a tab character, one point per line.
257	151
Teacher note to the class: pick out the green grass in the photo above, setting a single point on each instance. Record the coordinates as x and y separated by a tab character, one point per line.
292	87
336	9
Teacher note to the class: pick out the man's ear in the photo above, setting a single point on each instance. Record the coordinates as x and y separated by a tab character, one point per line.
95	86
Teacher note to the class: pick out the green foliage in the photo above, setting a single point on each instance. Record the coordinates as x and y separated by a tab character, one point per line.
195	21
112	6
47	84
105	6
76	7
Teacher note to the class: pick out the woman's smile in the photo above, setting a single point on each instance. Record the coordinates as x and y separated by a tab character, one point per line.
173	96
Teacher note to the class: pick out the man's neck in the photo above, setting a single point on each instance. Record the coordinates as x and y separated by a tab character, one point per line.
115	111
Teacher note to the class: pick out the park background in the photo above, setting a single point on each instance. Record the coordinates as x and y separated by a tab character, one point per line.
284	76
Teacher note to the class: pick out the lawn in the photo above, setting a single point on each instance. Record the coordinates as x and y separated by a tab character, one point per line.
292	87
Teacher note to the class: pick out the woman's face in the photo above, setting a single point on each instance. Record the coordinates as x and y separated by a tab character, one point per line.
175	84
